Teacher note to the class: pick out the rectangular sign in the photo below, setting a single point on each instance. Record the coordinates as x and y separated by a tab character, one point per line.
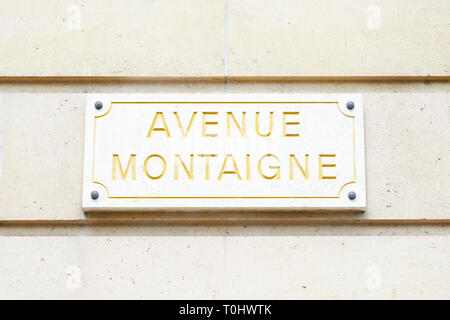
248	151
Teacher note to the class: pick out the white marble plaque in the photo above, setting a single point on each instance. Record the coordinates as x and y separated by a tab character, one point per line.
233	151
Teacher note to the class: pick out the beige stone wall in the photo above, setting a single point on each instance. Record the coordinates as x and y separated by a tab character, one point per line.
207	38
395	53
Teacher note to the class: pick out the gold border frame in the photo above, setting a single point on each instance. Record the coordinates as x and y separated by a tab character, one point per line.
222	102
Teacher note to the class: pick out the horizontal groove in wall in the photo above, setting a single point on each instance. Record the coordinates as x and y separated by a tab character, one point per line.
244	79
224	222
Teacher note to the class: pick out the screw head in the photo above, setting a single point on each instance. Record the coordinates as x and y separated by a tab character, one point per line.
352	195
94	195
350	105
98	105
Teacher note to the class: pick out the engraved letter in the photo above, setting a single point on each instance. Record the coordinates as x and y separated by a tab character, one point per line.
286	123
247	164
326	165
292	160
185	133
277	168
205	123
146	166
131	164
190	172
153	128
223	171
230	115
257	125
207	157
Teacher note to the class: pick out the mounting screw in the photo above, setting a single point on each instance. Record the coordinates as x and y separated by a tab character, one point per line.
352	195
98	105
350	105
94	195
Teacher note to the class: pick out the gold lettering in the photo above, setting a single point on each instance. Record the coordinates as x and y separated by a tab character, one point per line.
146	166
247	158
206	123
153	128
190	172
241	128
185	133
326	165
207	157
131	164
286	123
305	172
277	168
257	125
235	171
